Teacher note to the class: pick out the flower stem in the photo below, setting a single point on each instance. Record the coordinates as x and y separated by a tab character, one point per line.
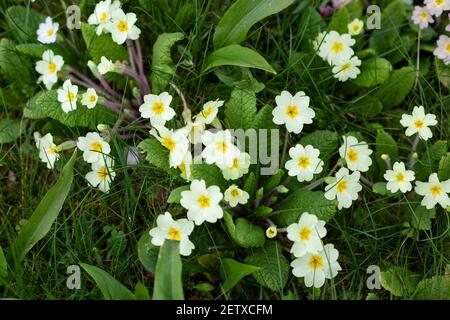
417	61
183	99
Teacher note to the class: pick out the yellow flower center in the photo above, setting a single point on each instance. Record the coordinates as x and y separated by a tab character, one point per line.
448	48
305	233
174	234
292	111
50	32
419	124
52	150
439	2
182	168
400	177
234	193
52	67
346	67
424	15
222	146
103	16
102	173
92	98
304	162
352	155
315	262
204	201
208	111
436	190
96	146
122	26
337	47
71	96
235	165
158	107
342	186
169	143
356	28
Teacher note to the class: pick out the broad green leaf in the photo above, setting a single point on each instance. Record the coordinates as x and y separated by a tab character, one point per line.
162	65
175	195
444	168
103	45
23	22
109	286
210	173
141	292
373	72
443	72
273	270
147	252
421	217
250	184
244	233
240	110
399	281
264	119
339	21
241	16
45	104
44	215
236	55
274	181
233	271
168	282
435	288
380	188
301	201
324	140
36	50
3	268
367	107
438	150
9	130
385	144
397	87
14	67
157	155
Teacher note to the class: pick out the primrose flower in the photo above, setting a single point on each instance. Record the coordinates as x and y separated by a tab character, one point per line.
318	41
103	13
177	230
344	188
436	7
48	151
157	108
219	148
210	110
234	196
347	69
419	122
239	167
175	141
202	203
67	95
122	26
422	17
47	31
105	65
336	47
356	154
89	98
94	147
49	67
315	268
399	178
102	174
293	111
434	191
306	235
305	162
355	27
443	49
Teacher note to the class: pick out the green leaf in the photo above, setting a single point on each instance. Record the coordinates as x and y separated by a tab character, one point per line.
14	67
162	65
241	16
236	55
324	140
109	286
157	155
244	233
436	288
339	21
210	173
240	110
175	195
273	270
44	215
399	281
438	150
147	252
3	268
380	188
373	72
264	119
233	271
443	72
23	22
301	201
36	50
444	168
45	104
103	45
274	181
397	87
421	217
385	144
367	107
9	130
250	184
141	292
168	282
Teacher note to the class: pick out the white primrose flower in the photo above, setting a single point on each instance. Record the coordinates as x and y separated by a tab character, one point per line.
105	65
175	141
355	27
47	31
419	122
434	191
186	166
49	67
67	95
421	16
219	148
94	147
345	188
305	162
177	230
356	154
293	111
442	50
306	235
102	174
122	26
240	166
315	268
103	13
210	110
436	7
399	178
336	47
89	98
157	108
347	69
48	151
234	196
202	203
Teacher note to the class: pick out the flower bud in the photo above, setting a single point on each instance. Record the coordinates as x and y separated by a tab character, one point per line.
260	193
67	145
385	157
271	232
415	156
282	189
102	127
93	67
